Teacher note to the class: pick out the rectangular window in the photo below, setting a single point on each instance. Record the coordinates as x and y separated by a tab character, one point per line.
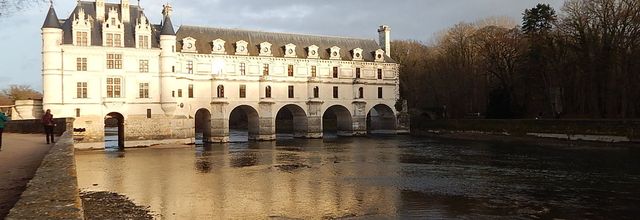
109	40
335	72
243	70
265	69
77	113
335	92
379	73
117	41
82	39
144	66
113	87
143	41
379	92
190	91
114	61
291	93
290	70
190	67
314	71
358	73
180	93
148	113
81	64
144	90
316	92
81	90
243	91
173	93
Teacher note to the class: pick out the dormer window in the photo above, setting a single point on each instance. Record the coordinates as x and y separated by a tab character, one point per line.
143	33
218	46
290	50
379	55
189	45
241	48
265	49
313	52
81	29
113	30
335	53
357	54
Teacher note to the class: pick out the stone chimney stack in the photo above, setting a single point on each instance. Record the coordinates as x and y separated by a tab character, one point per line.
100	10
126	15
385	40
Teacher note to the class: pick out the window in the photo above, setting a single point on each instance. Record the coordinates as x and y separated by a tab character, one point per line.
114	40
148	113
243	91
313	71
81	64
379	73
143	41
77	113
379	92
360	93
220	91
82	39
267	92
265	69
316	92
173	93
144	91
335	92
144	66
335	72
243	69
290	90
114	61
179	93
81	90
290	70
190	91
358	73
113	87
109	40
173	69
190	67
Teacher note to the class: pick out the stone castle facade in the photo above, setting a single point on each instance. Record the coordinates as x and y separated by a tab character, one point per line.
108	61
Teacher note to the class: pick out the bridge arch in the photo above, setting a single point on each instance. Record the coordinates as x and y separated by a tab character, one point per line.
381	119
243	120
292	119
114	129
202	120
337	119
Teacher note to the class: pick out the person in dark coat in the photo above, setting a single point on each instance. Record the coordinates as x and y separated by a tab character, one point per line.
47	121
3	119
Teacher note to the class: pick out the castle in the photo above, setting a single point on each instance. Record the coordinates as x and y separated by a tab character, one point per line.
107	61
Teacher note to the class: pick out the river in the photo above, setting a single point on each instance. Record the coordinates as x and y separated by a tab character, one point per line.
378	177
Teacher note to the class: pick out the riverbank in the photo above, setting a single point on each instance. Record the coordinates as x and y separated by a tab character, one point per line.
546	132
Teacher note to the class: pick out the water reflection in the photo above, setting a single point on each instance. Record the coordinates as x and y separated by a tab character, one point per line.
371	178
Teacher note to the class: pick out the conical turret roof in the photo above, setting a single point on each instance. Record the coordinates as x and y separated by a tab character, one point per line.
52	19
167	27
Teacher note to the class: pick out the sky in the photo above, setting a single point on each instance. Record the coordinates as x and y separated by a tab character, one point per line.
20	38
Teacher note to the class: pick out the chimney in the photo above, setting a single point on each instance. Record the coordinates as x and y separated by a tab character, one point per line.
126	15
385	40
100	10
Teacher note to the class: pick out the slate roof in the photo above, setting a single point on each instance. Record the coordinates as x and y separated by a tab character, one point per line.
167	27
96	31
52	19
205	35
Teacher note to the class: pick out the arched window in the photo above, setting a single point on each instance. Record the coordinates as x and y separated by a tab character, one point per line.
267	92
360	93
316	92
220	91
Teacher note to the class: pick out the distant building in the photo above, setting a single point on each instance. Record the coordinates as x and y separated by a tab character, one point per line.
109	61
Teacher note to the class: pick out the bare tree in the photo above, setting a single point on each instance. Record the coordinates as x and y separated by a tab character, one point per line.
8	7
21	92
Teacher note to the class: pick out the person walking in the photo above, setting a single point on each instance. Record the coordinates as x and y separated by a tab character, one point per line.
3	119
47	121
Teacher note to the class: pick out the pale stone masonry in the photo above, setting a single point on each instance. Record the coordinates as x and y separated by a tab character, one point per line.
108	60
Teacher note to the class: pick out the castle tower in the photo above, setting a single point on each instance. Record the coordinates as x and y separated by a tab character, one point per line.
167	63
52	61
385	39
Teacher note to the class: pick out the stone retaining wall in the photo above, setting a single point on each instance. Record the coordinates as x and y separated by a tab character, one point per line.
34	126
53	192
611	131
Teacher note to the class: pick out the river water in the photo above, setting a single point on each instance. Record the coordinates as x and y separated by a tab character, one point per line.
381	177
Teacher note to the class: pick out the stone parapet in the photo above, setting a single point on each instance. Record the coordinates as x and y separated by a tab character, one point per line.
34	126
53	192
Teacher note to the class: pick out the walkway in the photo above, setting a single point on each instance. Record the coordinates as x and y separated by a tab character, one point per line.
19	159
